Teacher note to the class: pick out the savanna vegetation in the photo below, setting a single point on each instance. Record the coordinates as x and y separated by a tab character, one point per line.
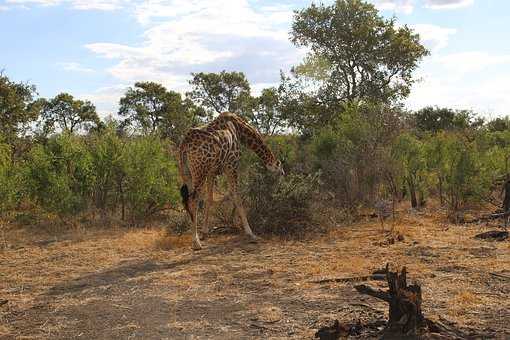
336	120
347	143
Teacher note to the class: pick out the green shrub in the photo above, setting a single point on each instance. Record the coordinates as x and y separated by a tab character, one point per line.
58	175
8	192
107	149
279	205
150	177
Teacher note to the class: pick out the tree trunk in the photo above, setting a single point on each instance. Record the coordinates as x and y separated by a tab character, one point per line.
412	193
405	316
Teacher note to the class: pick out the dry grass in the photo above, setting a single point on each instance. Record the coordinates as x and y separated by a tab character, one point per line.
463	303
57	284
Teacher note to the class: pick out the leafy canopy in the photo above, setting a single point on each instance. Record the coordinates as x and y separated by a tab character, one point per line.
355	53
152	108
67	114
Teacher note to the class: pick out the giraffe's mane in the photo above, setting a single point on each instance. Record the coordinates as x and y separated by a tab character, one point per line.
248	135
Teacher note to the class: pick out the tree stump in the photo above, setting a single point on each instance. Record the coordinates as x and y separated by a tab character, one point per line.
405	316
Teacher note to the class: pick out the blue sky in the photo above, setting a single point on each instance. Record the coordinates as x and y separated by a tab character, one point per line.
95	49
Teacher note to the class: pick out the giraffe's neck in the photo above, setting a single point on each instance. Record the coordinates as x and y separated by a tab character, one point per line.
251	138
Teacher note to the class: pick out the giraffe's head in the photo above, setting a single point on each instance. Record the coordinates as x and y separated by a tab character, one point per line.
275	166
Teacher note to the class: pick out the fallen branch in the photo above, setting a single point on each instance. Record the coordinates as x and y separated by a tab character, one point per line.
375	277
379	294
500	276
3	302
493	235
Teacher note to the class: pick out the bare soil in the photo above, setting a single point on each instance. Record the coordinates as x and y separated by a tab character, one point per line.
144	284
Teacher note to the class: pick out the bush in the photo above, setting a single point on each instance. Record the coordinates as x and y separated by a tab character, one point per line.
279	205
150	177
8	178
352	153
459	166
107	150
58	175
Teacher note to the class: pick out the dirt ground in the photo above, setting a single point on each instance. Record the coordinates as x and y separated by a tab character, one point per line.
143	284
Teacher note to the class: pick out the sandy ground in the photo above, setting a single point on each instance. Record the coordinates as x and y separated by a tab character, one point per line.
142	284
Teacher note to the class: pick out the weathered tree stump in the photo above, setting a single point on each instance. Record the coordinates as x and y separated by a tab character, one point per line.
405	316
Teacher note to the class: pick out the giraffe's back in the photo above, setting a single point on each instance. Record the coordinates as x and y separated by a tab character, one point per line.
209	152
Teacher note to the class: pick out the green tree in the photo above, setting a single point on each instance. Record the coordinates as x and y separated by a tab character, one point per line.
58	176
16	108
499	124
435	119
8	184
152	108
220	92
355	53
265	112
150	179
67	114
409	152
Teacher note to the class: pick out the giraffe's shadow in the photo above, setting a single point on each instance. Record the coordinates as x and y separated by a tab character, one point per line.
134	269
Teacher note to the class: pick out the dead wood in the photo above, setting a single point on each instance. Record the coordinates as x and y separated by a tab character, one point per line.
338	330
493	235
3	302
375	277
405	315
500	276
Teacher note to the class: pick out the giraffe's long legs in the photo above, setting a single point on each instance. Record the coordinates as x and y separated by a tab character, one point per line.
196	245
198	182
232	181
208	202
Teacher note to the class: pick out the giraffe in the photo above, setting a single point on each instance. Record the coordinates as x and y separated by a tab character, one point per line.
212	150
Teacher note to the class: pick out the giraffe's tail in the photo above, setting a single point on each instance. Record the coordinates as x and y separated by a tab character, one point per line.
186	178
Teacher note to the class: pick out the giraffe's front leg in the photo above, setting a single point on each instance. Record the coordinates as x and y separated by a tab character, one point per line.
208	202
232	179
196	245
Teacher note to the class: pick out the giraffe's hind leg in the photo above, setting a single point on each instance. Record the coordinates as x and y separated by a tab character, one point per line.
194	199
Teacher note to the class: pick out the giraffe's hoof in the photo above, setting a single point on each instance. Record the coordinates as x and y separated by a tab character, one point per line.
196	245
253	239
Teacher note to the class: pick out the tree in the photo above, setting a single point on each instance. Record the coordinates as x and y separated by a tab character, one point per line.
265	112
152	108
435	119
355	53
220	92
16	109
409	152
499	124
67	114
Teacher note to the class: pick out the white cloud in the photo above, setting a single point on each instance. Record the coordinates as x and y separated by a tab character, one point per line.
468	80
471	62
488	97
433	36
106	99
448	4
405	6
75	67
102	5
192	36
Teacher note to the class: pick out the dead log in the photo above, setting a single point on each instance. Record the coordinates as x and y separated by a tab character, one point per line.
3	302
375	277
338	331
501	276
405	316
493	235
